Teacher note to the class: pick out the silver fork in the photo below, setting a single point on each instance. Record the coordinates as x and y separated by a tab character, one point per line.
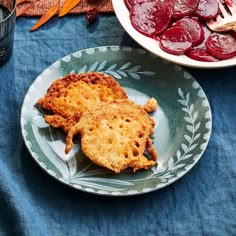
226	20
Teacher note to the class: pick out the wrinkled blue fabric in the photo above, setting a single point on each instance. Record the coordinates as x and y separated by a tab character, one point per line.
203	202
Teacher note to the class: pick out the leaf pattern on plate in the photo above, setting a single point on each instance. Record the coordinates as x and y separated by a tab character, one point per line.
90	177
191	137
126	70
99	182
192	126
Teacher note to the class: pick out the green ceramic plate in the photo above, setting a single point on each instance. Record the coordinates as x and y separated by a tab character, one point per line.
180	136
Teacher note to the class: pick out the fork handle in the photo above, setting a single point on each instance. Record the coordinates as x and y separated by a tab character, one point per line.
225	27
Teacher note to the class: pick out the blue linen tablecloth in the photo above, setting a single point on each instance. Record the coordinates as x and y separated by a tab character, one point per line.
203	202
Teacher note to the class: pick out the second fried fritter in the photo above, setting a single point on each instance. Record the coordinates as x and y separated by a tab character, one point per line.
115	135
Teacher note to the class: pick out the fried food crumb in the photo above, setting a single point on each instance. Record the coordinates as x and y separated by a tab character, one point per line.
151	105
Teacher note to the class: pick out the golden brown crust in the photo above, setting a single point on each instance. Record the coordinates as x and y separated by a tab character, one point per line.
68	97
115	135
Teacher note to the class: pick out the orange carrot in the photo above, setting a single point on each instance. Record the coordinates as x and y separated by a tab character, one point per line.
68	5
46	16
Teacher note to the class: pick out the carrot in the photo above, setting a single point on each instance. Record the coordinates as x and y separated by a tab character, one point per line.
68	5
46	16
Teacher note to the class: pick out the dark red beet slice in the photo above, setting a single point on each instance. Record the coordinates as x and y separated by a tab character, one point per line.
183	8
150	18
201	54
176	40
222	46
207	9
194	28
233	33
130	3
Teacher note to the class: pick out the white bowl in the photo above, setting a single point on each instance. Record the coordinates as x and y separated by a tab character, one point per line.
152	45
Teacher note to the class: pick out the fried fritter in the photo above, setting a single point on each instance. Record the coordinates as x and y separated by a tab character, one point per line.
68	97
115	135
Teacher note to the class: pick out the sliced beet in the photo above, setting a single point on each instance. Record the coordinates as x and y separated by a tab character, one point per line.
229	2
150	18
207	9
193	27
207	33
222	46
176	40
183	8
130	3
233	34
201	54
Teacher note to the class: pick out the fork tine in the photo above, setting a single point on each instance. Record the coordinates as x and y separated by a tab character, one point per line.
226	20
232	8
222	9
